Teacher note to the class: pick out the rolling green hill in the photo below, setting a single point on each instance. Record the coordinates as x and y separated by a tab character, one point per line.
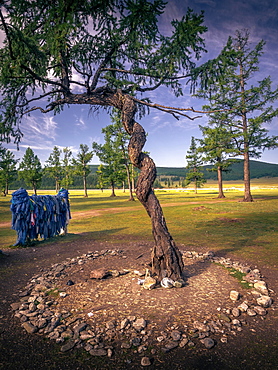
257	170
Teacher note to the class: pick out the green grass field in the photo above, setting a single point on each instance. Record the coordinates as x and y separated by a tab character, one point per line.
245	230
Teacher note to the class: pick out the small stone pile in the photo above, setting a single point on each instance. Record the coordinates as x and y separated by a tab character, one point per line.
38	313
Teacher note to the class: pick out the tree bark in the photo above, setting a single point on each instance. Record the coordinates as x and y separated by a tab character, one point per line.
131	197
85	186
6	191
220	182
112	189
246	164
246	178
166	257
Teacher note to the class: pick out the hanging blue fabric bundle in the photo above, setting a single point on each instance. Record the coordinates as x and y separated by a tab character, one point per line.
21	214
39	216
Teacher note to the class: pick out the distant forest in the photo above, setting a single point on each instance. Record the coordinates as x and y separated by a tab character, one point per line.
169	176
257	170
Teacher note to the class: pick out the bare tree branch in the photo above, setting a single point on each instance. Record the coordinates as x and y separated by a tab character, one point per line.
178	111
40	97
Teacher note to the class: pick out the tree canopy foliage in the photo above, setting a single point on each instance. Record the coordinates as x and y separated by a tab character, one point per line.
194	163
30	169
81	166
7	169
107	53
244	105
72	52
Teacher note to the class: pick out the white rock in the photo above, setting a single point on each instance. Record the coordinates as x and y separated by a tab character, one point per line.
139	324
260	310
124	323
251	312
200	326
255	293
236	312
160	338
243	307
264	301
234	295
149	283
145	361
167	282
236	322
261	287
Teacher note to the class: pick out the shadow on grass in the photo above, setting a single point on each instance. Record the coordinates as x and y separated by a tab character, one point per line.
69	238
251	236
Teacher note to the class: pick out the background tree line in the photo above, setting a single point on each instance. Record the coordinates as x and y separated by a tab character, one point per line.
239	108
63	170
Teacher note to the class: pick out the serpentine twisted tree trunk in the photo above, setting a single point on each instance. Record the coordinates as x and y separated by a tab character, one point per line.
166	257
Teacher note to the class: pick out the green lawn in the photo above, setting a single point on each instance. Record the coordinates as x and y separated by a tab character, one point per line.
246	230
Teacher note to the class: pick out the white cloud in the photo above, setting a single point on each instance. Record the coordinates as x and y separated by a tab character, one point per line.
80	122
42	129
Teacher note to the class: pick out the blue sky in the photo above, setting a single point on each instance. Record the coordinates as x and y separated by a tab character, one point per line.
168	139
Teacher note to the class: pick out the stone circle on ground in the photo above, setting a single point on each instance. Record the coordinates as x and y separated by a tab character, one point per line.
78	303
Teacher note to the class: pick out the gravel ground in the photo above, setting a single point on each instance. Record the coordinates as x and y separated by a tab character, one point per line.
256	347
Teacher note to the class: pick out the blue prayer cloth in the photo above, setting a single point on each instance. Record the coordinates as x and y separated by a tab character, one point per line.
39	216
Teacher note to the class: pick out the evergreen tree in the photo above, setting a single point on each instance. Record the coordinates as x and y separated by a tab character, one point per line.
194	163
53	167
30	170
218	149
80	163
8	170
121	139
67	179
100	177
111	157
247	106
102	54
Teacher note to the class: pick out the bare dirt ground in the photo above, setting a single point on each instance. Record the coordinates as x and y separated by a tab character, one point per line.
207	288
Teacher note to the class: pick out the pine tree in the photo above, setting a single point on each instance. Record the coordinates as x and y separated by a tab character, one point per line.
246	107
121	138
110	156
218	149
54	168
100	177
80	163
8	170
67	179
30	170
194	163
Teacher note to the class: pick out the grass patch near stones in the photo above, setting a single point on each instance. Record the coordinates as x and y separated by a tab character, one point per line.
238	275
53	292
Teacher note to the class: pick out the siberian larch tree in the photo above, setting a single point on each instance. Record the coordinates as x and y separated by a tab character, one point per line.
107	53
248	103
81	164
194	162
53	167
30	170
121	140
7	169
218	149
